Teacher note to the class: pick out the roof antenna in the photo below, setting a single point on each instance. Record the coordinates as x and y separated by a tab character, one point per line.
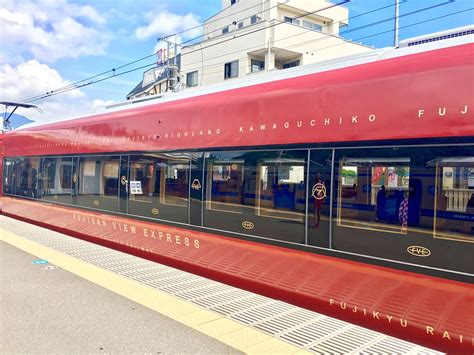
6	119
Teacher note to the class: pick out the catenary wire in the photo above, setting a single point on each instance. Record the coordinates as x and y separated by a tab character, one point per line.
357	39
76	84
153	64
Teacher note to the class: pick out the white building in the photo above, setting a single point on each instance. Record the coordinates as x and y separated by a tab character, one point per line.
249	36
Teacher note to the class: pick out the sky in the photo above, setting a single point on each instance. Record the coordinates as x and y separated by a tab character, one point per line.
49	44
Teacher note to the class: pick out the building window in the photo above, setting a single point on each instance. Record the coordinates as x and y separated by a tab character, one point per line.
225	30
231	70
291	20
291	64
240	25
254	19
232	2
192	79
256	65
312	26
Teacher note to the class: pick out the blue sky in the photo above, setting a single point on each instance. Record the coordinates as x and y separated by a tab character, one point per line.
47	44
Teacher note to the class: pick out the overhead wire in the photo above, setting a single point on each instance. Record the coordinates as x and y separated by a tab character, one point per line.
78	84
365	37
113	70
365	26
327	36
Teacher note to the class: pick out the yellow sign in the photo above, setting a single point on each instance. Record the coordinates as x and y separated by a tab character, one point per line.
155	211
123	180
74	178
96	202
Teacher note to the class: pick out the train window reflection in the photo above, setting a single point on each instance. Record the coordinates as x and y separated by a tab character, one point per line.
9	176
374	193
226	181
27	177
281	192
98	182
159	186
176	179
257	192
454	218
55	179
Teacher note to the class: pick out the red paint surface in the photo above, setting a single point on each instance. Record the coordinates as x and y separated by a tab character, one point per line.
394	90
300	278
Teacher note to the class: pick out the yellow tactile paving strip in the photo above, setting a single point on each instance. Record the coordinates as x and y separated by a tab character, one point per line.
225	330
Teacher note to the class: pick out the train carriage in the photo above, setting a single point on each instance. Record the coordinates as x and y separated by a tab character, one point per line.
347	183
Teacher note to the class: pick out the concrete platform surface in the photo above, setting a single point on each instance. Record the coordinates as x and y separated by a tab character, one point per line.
45	309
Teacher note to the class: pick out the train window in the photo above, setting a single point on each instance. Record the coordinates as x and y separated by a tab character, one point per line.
9	176
27	177
373	193
259	193
226	181
281	191
98	182
409	204
454	217
55	179
159	186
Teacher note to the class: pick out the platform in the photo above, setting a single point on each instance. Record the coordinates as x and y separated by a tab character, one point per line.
240	321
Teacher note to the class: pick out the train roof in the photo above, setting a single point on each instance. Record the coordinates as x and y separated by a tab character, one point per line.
260	78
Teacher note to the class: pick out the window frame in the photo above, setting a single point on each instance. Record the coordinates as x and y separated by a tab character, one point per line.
231	69
192	78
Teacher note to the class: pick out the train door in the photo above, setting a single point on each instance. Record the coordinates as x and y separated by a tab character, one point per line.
124	183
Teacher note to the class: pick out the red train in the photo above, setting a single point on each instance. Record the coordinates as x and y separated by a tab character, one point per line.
345	188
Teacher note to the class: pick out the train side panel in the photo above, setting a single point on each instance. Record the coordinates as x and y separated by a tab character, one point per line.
423	309
397	98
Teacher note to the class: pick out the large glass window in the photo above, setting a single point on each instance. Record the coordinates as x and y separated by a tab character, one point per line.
9	176
412	204
56	179
259	193
374	193
454	217
98	182
281	190
159	186
27	177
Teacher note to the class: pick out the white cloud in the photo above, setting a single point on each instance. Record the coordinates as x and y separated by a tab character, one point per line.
166	23
50	30
32	78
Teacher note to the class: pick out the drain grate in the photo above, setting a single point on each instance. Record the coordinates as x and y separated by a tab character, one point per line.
306	329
